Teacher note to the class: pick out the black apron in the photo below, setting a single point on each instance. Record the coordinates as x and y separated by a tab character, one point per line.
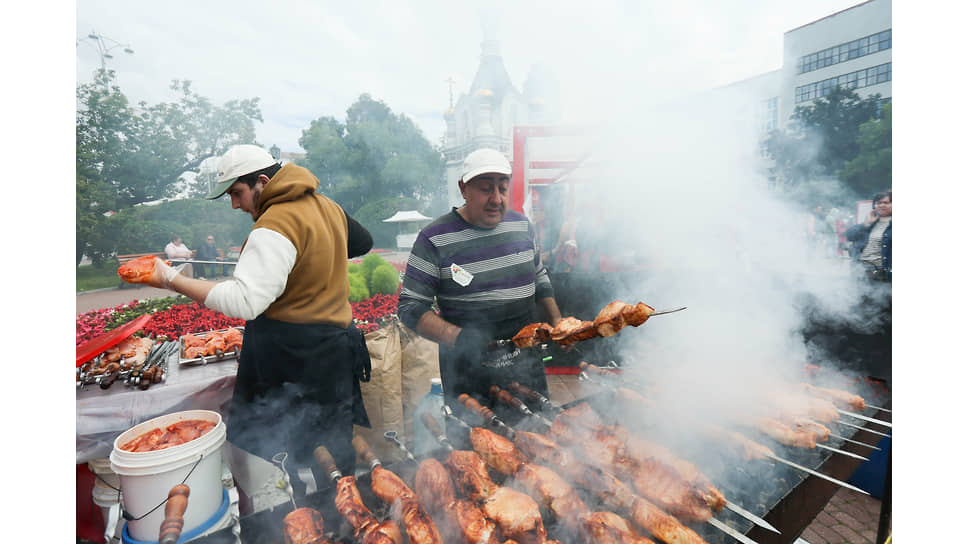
298	388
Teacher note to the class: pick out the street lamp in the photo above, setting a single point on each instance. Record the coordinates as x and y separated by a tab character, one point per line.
105	45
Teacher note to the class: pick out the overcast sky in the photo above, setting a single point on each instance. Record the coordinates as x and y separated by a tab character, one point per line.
307	59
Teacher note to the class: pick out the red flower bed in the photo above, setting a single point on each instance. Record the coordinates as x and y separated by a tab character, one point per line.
372	313
183	319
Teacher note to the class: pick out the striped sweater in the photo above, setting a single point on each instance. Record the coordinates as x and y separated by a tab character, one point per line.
507	273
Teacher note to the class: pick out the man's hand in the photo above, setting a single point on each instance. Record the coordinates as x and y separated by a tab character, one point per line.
471	343
162	275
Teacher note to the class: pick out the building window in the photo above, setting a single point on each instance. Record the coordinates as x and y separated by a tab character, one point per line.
853	80
844	52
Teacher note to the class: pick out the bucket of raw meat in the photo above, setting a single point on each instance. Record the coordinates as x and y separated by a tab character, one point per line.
148	476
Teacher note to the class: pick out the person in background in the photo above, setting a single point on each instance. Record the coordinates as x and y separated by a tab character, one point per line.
302	360
481	264
208	252
872	239
176	250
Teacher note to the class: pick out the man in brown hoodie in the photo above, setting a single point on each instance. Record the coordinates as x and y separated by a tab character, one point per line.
302	359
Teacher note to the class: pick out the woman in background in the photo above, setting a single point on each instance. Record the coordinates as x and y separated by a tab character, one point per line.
872	239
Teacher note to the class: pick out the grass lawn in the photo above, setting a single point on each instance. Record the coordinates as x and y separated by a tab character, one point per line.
90	277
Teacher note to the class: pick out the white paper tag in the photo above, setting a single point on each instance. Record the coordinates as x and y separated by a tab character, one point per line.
461	276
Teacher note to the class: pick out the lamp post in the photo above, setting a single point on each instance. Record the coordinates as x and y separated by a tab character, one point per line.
105	45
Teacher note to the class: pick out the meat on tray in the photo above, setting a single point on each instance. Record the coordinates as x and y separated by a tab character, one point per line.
216	343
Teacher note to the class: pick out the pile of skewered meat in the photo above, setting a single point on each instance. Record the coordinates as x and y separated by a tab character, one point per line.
212	343
571	330
134	360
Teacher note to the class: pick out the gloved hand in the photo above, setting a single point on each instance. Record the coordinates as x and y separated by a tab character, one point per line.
163	274
471	343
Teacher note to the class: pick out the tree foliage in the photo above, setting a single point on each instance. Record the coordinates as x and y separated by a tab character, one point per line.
822	137
126	154
870	170
373	162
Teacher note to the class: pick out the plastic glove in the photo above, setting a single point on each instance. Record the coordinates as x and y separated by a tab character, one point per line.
163	274
471	343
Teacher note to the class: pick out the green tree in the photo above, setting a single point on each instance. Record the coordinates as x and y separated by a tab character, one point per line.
127	154
376	156
870	171
822	136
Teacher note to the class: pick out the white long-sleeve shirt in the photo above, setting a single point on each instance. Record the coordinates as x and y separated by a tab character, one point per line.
260	276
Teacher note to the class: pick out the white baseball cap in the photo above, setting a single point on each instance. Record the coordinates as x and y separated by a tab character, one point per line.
238	161
484	161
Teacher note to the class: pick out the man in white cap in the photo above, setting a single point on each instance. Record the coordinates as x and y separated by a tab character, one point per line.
482	265
301	359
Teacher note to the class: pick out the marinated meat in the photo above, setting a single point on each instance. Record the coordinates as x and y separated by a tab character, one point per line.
303	526
610	320
405	507
564	328
173	435
532	335
517	515
609	527
837	396
138	270
498	452
636	315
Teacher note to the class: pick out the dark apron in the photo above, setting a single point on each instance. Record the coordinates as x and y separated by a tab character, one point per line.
298	388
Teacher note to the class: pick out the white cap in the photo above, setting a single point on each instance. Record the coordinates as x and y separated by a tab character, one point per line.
484	161
434	381
239	160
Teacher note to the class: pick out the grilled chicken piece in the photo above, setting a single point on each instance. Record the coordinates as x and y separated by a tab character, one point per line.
785	435
303	526
474	526
636	315
837	396
803	424
517	515
748	448
552	492
795	403
532	335
610	320
433	486
368	529
607	487
608	528
214	344
675	485
498	452
566	327
459	519
404	506
469	472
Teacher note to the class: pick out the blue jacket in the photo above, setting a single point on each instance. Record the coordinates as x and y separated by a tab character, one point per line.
859	234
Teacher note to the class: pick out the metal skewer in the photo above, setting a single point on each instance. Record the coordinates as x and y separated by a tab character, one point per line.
751	516
661	312
854	441
865	418
847	453
879	408
815	473
858	427
391	436
730	531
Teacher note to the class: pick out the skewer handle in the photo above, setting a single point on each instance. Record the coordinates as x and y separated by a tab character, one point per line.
511	401
363	450
476	407
325	460
171	527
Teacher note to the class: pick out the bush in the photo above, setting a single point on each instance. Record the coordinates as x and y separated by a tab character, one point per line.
385	279
369	264
354	268
358	289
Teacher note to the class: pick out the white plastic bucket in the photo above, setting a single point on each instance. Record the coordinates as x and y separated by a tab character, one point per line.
222	518
147	477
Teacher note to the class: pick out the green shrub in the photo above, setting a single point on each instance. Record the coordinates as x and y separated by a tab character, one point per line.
385	279
354	268
358	289
369	263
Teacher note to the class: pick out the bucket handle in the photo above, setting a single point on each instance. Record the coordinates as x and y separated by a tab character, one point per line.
130	517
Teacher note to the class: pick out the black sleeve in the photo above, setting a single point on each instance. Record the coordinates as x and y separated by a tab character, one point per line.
358	241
